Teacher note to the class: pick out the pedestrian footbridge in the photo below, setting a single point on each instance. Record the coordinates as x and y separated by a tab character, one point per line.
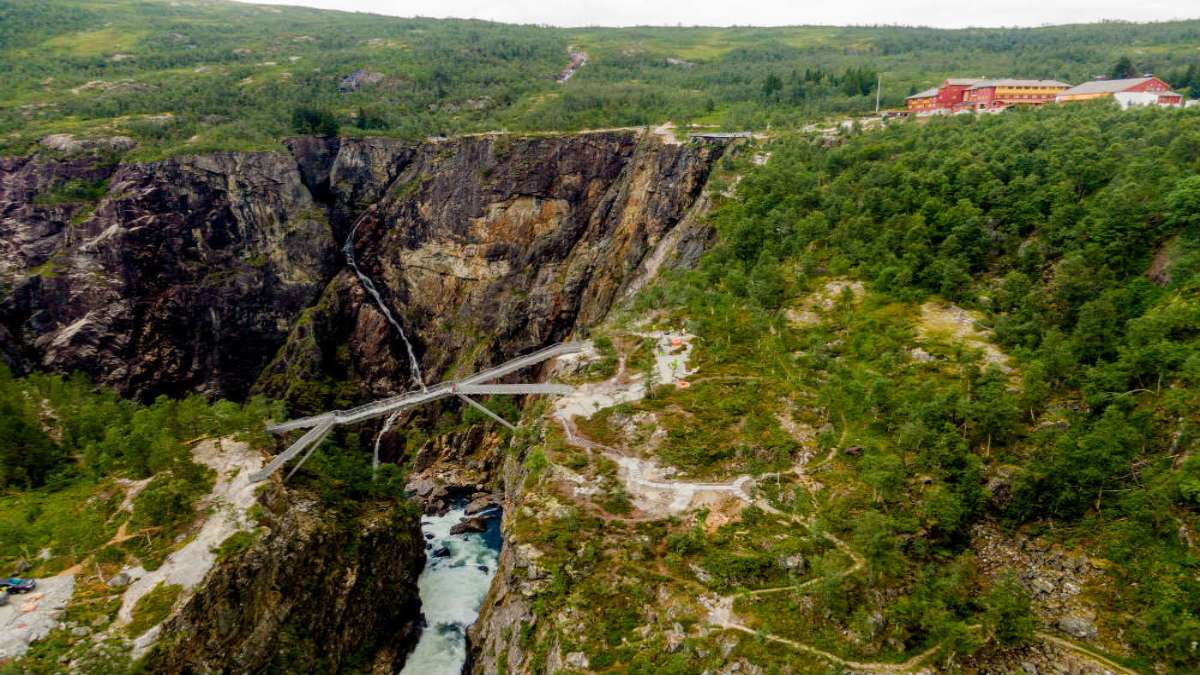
319	426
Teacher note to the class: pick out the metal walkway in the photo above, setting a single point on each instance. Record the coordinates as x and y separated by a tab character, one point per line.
320	425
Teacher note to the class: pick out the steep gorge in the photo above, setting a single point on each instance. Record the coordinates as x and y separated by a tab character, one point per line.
221	274
485	247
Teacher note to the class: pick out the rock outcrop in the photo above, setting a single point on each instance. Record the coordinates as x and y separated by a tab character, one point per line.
219	273
35	210
316	592
184	276
484	247
492	645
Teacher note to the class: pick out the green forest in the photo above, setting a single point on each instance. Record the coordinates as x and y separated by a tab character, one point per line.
1075	233
194	77
1061	243
62	441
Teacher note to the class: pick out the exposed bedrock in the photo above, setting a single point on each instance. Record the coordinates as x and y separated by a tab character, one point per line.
319	591
485	247
184	276
216	272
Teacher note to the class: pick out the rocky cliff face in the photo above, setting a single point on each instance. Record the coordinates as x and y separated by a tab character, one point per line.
196	273
320	592
183	275
494	644
485	247
222	274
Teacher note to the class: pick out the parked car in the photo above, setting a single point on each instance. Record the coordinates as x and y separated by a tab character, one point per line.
17	584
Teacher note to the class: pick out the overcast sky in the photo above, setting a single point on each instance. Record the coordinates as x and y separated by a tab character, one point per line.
942	13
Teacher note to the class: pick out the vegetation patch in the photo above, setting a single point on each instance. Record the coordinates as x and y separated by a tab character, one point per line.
152	608
236	543
73	191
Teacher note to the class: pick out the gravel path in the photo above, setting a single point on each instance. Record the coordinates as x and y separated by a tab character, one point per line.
647	482
232	495
653	493
30	617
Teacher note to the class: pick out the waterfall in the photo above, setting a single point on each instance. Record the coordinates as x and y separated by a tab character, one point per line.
387	425
348	249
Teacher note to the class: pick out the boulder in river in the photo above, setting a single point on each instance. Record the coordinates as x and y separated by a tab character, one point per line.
472	524
481	504
422	486
442	552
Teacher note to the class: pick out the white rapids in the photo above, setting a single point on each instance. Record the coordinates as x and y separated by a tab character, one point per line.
452	591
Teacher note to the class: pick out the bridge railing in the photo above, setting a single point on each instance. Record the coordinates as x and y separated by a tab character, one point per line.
524	361
388	405
320	425
391	404
312	437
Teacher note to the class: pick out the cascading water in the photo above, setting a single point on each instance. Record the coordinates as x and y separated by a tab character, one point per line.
348	249
387	425
452	587
458	568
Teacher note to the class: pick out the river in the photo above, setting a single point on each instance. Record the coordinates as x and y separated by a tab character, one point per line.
452	589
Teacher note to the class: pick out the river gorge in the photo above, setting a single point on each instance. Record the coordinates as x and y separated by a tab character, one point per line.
224	274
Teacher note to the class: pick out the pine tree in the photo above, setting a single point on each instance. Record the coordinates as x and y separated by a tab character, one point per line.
772	86
1124	69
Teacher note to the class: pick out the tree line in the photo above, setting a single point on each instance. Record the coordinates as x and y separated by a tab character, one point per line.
1074	231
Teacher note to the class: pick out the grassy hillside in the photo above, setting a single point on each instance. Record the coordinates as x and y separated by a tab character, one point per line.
200	75
1023	364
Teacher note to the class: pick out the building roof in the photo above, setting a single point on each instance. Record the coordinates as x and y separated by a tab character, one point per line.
1107	86
1166	92
1007	82
928	93
963	81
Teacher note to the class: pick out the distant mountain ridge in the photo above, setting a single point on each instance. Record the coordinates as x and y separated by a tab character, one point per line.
187	78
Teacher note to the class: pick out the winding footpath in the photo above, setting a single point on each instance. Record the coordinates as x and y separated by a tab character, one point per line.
660	497
645	481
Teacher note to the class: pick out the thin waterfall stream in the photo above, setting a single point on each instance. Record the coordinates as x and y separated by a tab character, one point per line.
413	364
387	426
458	568
348	249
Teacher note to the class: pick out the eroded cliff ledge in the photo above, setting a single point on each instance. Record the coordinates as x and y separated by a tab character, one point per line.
221	273
323	589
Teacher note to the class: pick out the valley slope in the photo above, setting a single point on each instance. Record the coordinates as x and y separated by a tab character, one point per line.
926	401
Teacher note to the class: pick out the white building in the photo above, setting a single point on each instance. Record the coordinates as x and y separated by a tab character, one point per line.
1136	99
